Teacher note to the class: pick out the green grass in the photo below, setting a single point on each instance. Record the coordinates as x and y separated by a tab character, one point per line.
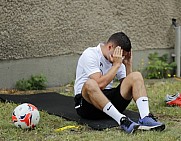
45	130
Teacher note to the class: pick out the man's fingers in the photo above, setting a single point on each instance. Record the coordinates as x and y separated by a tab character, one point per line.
118	51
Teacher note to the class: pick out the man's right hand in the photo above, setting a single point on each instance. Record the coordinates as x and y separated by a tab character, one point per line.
116	57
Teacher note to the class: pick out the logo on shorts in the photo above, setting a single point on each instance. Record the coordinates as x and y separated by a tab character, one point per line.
109	108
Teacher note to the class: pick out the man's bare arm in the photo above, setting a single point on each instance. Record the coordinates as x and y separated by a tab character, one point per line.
104	80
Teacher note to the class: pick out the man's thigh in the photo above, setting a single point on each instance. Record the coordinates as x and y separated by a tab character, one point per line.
116	98
87	110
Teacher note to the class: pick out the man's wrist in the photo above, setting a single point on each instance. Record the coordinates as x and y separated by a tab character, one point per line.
128	67
116	65
128	64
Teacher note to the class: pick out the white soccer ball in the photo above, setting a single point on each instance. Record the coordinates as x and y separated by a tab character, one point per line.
25	116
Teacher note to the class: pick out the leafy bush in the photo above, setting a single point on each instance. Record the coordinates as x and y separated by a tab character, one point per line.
36	82
159	67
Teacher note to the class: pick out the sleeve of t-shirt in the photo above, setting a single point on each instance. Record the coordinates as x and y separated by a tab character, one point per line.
90	63
121	72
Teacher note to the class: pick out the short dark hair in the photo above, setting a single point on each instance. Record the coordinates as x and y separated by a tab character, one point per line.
120	39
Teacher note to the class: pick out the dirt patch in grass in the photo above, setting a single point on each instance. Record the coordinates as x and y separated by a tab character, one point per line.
169	117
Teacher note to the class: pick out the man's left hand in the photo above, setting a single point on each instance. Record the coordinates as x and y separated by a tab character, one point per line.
127	58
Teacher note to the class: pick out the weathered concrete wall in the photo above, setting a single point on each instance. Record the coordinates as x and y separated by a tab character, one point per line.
31	29
58	70
37	28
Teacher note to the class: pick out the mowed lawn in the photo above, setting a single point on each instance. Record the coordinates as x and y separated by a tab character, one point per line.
156	89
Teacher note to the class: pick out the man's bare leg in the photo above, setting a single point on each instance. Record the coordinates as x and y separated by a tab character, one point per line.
133	87
92	94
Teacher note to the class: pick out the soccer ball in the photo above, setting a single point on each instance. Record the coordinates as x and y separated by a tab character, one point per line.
25	116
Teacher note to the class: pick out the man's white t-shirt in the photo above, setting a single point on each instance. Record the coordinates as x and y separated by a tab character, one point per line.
92	61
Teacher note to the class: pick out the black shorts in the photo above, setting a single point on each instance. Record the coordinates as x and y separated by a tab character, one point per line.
87	110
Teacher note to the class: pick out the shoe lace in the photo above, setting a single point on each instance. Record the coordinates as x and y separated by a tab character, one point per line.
152	116
126	122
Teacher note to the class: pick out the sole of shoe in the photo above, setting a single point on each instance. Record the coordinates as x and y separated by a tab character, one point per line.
135	128
173	103
155	128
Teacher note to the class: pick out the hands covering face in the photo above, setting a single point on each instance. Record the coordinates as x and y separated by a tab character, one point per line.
127	57
120	56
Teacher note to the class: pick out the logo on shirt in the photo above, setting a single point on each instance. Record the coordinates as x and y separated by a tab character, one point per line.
101	66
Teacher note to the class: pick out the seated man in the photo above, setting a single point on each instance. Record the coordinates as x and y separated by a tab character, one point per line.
94	96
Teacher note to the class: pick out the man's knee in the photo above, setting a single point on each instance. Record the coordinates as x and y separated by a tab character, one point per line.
135	76
91	85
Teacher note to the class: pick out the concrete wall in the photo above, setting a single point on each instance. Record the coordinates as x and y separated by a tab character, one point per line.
37	35
58	70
